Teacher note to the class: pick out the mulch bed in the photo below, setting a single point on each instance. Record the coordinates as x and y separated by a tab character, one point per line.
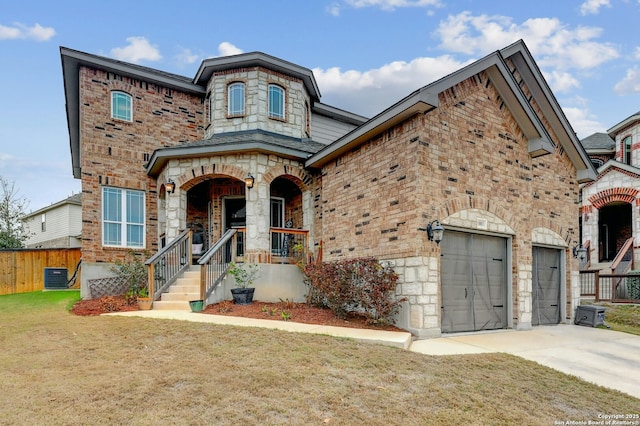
280	311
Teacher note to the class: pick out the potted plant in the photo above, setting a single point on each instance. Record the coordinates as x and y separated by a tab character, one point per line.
244	276
133	271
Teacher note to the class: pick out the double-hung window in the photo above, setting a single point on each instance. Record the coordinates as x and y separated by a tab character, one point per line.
122	217
626	145
235	99
276	102
121	106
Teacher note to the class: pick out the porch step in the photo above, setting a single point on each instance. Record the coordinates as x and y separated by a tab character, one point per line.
185	289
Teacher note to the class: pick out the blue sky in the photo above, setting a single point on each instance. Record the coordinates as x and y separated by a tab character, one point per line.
365	54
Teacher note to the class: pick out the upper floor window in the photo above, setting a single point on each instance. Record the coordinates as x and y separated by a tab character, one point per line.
43	222
122	217
626	145
121	106
276	102
597	163
235	96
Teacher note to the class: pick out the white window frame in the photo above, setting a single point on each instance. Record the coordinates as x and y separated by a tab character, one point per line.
272	90
122	220
234	110
118	96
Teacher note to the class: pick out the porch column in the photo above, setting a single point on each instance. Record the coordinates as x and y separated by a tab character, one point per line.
176	208
258	220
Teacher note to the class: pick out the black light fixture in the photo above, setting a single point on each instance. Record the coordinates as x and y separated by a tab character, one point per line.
579	252
249	180
170	186
435	231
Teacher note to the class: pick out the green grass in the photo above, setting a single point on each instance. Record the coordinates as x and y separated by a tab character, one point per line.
622	317
57	368
38	300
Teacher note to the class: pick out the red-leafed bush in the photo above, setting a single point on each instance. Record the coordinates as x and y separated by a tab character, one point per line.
359	286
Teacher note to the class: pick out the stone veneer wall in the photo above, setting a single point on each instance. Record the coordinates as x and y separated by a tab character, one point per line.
257	80
265	168
467	154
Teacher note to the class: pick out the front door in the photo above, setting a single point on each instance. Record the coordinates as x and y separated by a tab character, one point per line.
235	216
474	282
546	286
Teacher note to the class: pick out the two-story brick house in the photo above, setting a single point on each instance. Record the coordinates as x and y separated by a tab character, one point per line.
609	214
247	144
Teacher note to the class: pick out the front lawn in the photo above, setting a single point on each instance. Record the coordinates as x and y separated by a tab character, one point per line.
58	368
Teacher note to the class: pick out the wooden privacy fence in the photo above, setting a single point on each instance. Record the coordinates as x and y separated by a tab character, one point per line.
22	270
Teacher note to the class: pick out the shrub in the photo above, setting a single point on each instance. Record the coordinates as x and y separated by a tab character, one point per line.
356	286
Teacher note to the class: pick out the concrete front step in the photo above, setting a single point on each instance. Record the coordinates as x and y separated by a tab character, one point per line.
185	289
176	305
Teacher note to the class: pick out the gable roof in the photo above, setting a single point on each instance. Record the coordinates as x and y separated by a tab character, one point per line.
599	143
495	66
632	119
75	199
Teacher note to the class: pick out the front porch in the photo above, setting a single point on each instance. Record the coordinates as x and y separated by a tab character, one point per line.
174	278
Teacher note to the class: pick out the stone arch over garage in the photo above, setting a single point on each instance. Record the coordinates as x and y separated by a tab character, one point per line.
476	213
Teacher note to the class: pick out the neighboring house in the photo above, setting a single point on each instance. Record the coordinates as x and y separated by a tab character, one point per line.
609	211
56	226
247	143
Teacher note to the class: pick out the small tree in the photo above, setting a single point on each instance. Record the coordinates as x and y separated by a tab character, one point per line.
13	233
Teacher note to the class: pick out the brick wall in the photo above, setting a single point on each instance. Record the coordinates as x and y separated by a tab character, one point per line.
466	154
113	152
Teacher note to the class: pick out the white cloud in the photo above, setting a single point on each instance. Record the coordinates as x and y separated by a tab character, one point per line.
20	31
629	84
636	53
227	49
553	43
583	122
561	81
386	5
593	6
392	4
370	92
139	49
186	56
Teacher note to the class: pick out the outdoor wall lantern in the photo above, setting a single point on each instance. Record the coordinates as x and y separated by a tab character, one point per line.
249	180
434	231
579	252
170	186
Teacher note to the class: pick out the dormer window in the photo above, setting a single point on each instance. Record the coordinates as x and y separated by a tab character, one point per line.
121	106
276	102
235	99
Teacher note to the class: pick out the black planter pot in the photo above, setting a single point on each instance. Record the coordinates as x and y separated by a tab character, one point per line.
242	296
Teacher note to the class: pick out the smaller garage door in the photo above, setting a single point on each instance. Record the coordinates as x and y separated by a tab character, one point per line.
474	282
546	286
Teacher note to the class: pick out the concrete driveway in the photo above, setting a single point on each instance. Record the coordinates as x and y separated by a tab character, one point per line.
607	358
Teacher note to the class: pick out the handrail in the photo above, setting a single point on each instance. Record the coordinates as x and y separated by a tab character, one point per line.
292	244
165	267
622	256
214	264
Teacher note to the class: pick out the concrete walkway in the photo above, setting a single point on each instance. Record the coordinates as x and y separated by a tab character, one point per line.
604	357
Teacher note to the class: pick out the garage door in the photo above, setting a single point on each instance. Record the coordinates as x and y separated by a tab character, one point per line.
546	286
474	282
